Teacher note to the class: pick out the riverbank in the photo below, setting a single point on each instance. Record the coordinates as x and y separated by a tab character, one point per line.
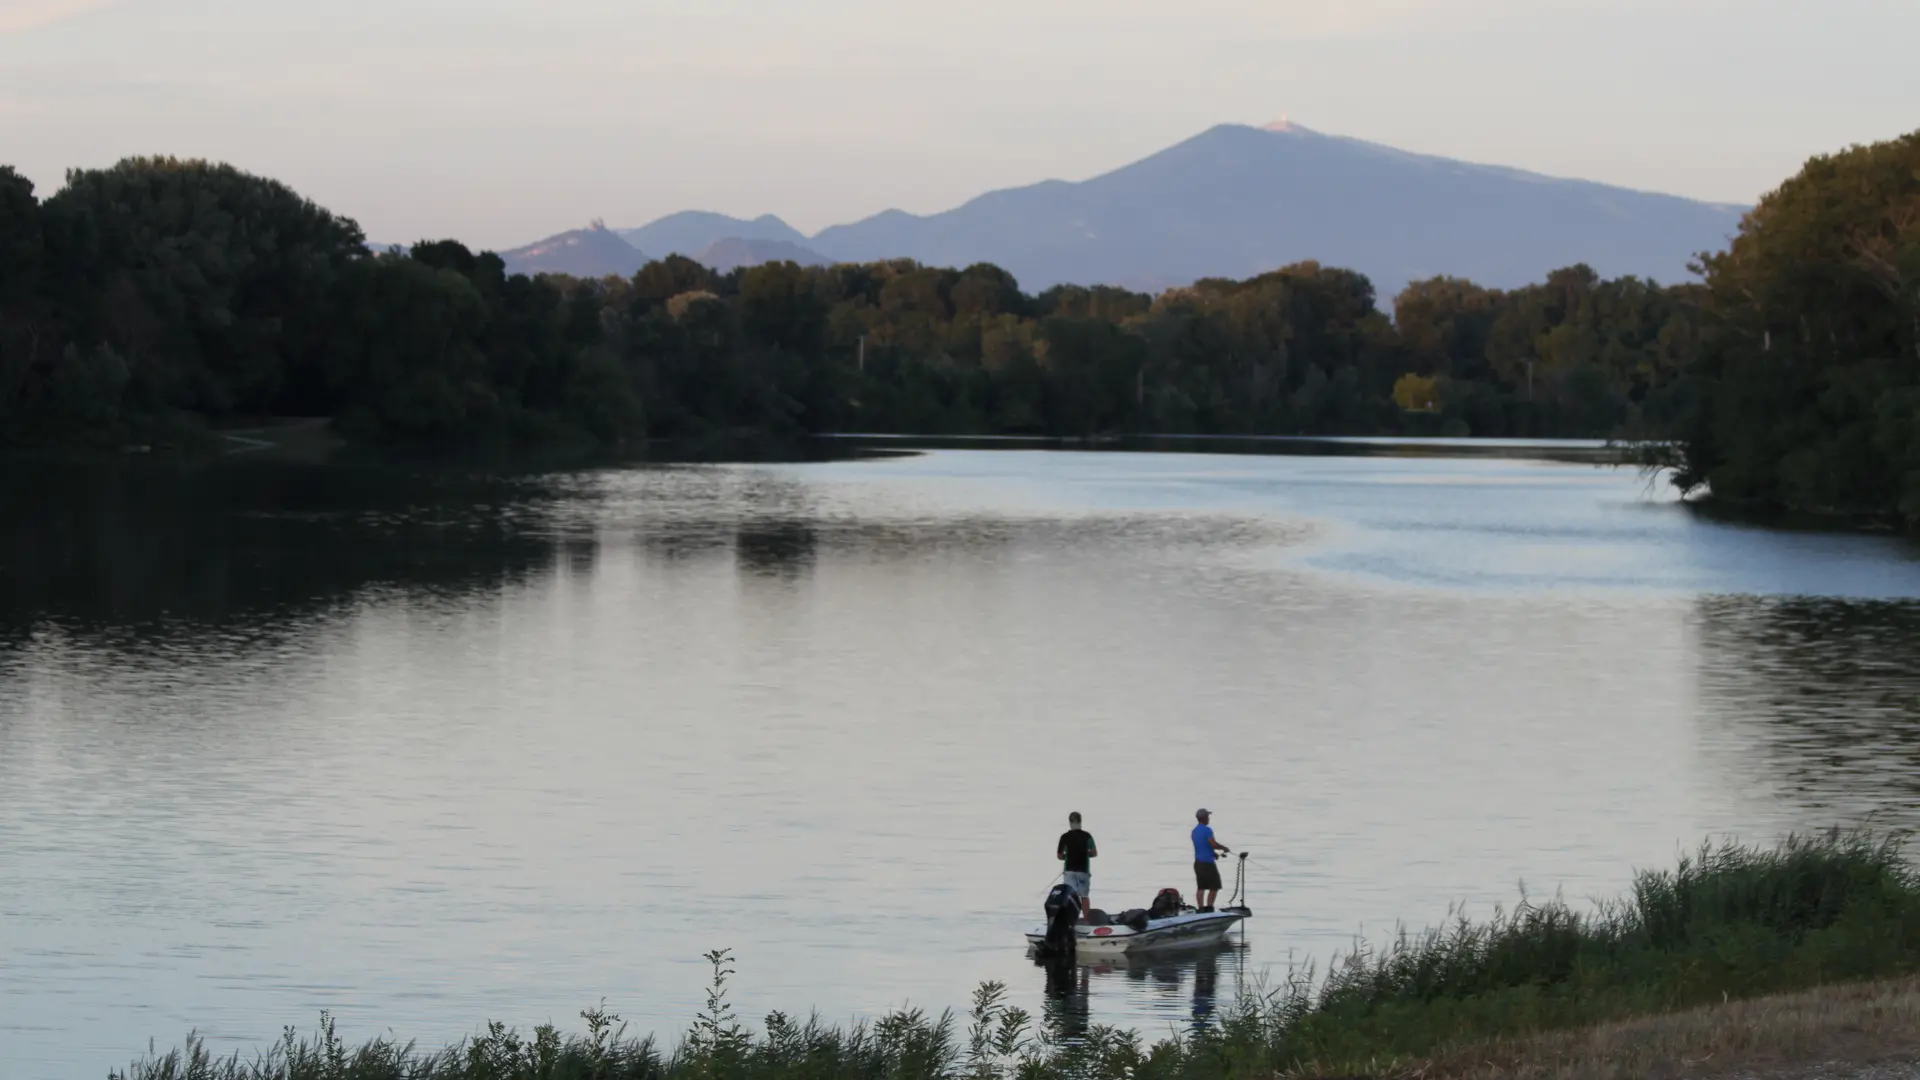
314	441
1855	1030
1861	1031
1738	961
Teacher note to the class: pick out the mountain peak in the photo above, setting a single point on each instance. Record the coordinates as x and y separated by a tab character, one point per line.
1238	200
1285	126
592	252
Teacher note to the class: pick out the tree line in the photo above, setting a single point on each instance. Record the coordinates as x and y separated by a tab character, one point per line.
162	296
161	291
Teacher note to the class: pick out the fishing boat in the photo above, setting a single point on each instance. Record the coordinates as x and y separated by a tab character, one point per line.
1167	925
1184	930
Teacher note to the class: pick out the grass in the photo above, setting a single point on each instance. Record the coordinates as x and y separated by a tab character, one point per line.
1856	1024
1685	968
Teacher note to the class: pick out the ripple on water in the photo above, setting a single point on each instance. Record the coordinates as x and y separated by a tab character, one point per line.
425	750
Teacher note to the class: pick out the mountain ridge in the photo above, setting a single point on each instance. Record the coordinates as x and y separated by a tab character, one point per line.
1237	200
730	253
690	232
1294	195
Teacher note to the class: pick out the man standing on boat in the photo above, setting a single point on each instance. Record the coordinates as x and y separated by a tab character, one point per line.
1206	869
1076	847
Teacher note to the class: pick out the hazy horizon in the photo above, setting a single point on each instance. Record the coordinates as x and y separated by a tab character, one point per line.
503	121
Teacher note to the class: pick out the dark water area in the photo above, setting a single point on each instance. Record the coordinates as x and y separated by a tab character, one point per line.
428	746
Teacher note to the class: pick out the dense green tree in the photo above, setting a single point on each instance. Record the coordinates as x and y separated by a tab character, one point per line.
1809	361
405	361
1099	302
209	282
780	305
22	248
661	280
986	291
21	243
1445	324
1093	369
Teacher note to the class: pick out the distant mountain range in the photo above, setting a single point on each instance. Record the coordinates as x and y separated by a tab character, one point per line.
710	239
1233	201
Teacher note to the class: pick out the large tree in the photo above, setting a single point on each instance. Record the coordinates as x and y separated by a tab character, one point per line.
208	281
21	313
1809	369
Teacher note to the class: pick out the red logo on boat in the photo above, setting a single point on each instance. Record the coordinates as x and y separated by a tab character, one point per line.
1102	931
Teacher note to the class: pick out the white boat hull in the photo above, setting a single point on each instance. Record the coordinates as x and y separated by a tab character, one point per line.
1186	930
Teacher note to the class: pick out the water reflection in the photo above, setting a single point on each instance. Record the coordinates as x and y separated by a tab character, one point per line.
781	548
138	552
1817	701
1068	1012
1188	989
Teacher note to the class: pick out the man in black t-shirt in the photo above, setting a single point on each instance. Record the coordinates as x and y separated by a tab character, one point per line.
1076	847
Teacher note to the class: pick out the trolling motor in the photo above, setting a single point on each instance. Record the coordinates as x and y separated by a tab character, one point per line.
1063	911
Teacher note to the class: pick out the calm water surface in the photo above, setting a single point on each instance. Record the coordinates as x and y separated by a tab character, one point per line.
429	749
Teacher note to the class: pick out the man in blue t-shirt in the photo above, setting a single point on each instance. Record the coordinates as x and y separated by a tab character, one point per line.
1206	871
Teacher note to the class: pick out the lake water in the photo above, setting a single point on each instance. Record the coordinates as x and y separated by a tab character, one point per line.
425	749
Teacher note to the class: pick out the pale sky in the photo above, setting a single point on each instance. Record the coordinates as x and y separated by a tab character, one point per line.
502	121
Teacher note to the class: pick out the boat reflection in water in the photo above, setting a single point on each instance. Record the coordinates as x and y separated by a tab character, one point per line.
1189	987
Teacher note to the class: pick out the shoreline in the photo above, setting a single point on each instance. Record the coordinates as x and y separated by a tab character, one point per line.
1867	1030
1782	963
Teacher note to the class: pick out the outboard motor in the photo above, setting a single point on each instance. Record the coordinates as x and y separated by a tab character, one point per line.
1063	910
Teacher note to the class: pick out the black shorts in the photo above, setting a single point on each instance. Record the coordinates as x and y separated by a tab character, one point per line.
1206	875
